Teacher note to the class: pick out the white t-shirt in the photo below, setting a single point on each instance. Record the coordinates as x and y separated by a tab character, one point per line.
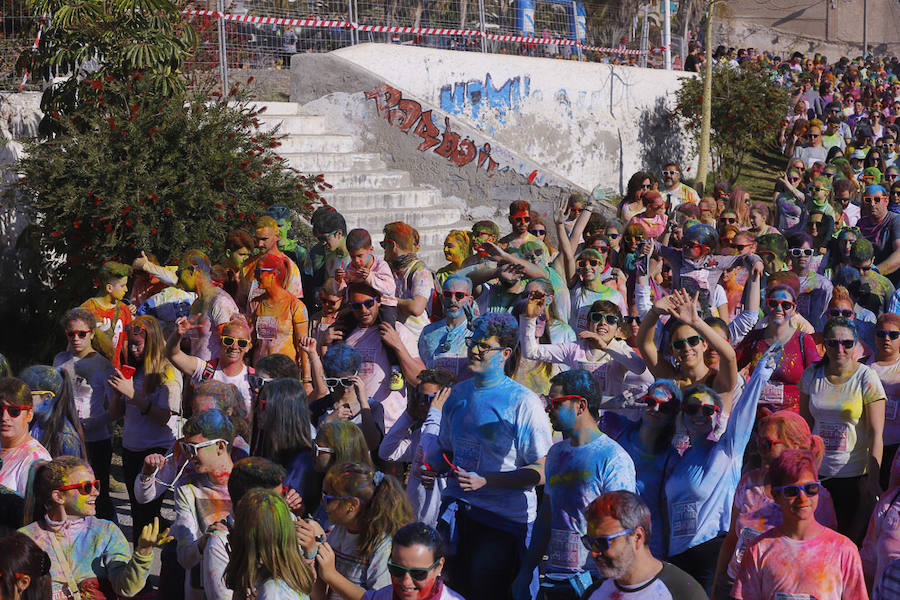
276	589
387	593
890	379
205	339
241	381
368	572
17	462
671	583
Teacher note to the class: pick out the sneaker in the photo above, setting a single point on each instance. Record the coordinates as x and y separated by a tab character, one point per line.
396	380
116	486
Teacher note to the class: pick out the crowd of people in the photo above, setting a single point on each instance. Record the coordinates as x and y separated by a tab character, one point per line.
693	398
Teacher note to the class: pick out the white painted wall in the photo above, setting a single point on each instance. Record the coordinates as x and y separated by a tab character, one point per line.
582	120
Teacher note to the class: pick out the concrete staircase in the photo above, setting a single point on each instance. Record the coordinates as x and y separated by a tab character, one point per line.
365	191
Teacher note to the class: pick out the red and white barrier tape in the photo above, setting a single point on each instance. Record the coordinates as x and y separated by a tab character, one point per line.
34	47
416	30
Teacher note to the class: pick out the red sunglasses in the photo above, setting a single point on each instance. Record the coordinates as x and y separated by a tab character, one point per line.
85	487
556	402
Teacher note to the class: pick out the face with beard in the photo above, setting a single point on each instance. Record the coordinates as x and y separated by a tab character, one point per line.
614	561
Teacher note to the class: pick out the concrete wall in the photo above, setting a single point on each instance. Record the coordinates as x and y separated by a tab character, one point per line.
590	123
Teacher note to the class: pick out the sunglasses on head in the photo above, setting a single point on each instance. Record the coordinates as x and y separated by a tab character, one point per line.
837	312
601	543
73	333
596	317
399	571
448	295
317	449
792	491
228	341
85	487
884	334
692	409
364	304
583	262
537	231
683	343
191	450
796	252
14	410
784	305
834	343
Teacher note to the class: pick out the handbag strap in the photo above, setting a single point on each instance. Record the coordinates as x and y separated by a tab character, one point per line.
62	560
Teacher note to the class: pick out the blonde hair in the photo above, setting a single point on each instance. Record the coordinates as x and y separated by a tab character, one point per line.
157	368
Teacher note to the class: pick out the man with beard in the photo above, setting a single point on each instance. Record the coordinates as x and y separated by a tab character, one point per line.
618	532
442	344
675	192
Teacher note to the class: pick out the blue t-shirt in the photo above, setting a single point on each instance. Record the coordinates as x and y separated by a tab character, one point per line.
301	476
700	490
575	476
441	347
491	429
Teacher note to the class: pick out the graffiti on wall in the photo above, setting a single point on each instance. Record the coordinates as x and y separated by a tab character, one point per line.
478	97
407	115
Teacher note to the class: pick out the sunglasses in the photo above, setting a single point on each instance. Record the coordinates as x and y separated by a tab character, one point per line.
555	403
229	341
537	231
192	449
670	172
663	406
728	220
815	224
73	333
872	199
613	236
784	305
834	344
522	219
257	381
683	343
692	409
14	410
334	382
801	251
792	491
399	571
317	449
423	398
601	544
696	245
884	334
448	295
822	189
632	320
596	317
793	179
837	312
261	270
483	234
587	261
646	186
357	306
43	393
85	487
600	247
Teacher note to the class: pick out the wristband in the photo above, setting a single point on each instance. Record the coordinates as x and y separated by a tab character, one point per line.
312	556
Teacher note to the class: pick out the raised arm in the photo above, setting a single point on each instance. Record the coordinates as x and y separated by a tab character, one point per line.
647	344
316	370
185	363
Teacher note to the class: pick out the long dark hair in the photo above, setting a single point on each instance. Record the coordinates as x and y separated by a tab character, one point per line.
20	555
63	410
634	184
285	426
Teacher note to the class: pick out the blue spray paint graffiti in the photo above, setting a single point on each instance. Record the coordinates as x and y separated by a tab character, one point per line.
481	96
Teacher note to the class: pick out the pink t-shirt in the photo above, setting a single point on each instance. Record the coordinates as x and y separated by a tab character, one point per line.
654	226
17	462
890	379
380	277
375	370
775	567
757	513
216	312
882	543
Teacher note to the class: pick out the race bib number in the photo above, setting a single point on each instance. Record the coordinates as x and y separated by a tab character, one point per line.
835	436
581	320
772	393
599	372
565	547
748	534
890	409
793	596
467	455
684	518
367	366
450	363
266	328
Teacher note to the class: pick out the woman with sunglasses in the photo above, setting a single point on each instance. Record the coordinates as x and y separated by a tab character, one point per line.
228	367
754	510
152	397
838	254
843	401
821	227
539	230
265	558
800	558
18	449
653	219
843	305
700	488
632	204
457	249
886	364
589	266
24	569
90	557
331	298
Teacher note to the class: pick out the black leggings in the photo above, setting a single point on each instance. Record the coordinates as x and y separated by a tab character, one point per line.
141	514
700	561
851	505
99	456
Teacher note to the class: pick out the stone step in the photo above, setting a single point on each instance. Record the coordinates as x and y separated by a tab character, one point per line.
295	124
366	180
407	198
321	162
375	220
327	142
276	108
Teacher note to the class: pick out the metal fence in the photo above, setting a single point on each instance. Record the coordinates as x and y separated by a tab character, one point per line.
264	34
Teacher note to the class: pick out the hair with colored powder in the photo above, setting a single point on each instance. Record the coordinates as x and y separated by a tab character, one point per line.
625	507
253	472
284	424
839	295
331	288
690	210
462	239
783	280
44	477
197	259
20	555
635	230
861	252
888	319
346	440
384	506
111	272
774	243
737	201
502	325
276	366
266	222
79	314
529	246
762	209
327	220
62	421
212	424
487	227
578	382
699	389
798	238
279	264
14	391
650	197
237	239
5	369
790	466
458	278
439	377
228	399
403	235
358	239
420	534
519	206
341	360
793	431
264	546
157	368
835	323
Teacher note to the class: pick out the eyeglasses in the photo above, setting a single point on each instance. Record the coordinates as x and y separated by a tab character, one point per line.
73	333
14	410
740	246
834	343
670	172
685	342
792	491
537	231
399	571
229	341
884	334
707	409
784	305
85	487
358	306
631	320
663	406
729	220
837	312
448	295
596	317
601	544
583	262
482	347
554	403
192	449
801	251
257	381
334	382
136	330
317	449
